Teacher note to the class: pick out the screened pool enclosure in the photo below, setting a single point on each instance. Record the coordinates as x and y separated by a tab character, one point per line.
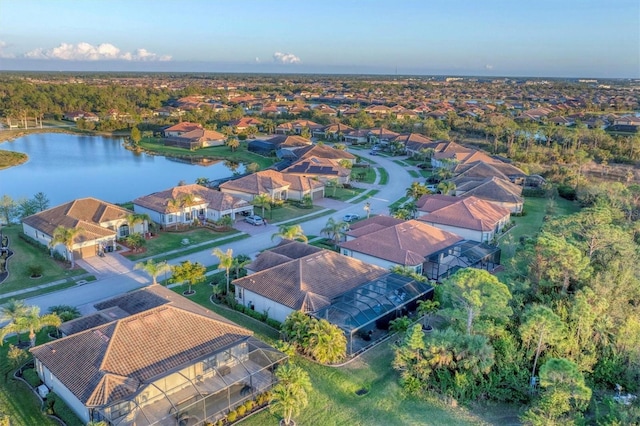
363	313
205	391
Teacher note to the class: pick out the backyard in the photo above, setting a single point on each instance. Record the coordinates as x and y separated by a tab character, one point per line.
334	400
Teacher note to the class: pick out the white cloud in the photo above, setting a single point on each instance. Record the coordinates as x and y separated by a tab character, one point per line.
257	60
488	67
88	52
4	54
286	58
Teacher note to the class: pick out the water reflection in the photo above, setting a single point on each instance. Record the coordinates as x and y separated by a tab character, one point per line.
66	167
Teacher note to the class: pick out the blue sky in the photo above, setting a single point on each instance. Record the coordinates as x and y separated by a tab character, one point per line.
554	38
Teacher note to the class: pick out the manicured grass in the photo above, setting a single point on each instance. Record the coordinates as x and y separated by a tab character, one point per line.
24	255
241	155
343	194
414	174
10	158
398	203
363	174
197	249
40	291
286	212
16	399
384	176
168	241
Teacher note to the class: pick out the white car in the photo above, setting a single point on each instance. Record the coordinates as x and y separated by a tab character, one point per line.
255	220
350	217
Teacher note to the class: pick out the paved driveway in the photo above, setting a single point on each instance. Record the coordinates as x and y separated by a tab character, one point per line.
108	265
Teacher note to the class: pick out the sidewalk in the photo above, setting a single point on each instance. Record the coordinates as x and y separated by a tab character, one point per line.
77	280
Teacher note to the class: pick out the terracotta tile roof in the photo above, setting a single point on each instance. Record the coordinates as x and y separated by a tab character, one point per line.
92	320
294	249
407	243
477	170
412	138
317	166
85	213
215	200
184	127
309	283
288	141
257	183
432	202
469	213
302	183
493	189
109	362
323	151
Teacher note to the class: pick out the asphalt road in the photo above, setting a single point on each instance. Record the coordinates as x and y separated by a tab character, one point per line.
119	282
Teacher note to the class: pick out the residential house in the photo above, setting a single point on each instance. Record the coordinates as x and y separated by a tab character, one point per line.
321	169
192	136
627	120
356	296
274	144
99	223
188	203
470	217
496	190
334	132
323	151
296	127
80	115
381	136
278	186
152	357
478	170
389	242
411	142
356	137
244	123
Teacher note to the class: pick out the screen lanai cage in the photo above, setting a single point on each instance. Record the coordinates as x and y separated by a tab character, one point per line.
363	313
465	254
205	391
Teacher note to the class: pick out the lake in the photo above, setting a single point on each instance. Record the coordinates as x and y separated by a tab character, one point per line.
66	167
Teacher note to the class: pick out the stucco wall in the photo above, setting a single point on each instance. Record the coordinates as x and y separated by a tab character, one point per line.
61	390
261	304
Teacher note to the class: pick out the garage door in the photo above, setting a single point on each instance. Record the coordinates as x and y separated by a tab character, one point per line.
317	195
84	252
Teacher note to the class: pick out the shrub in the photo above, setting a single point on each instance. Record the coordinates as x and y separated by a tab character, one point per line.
241	410
35	270
232	416
31	376
567	192
249	405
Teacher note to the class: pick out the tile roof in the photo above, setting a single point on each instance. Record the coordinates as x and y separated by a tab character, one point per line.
318	166
215	200
493	189
469	213
257	183
85	213
106	363
309	283
323	151
302	183
184	127
407	243
284	141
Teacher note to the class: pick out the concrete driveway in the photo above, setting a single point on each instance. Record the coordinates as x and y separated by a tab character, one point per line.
106	266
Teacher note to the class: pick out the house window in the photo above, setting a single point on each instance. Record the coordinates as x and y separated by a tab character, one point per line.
124	231
187	216
170	218
201	212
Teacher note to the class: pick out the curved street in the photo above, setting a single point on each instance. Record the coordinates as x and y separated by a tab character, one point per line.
120	276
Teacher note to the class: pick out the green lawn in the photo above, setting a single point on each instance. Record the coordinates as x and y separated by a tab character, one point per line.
166	241
343	194
16	399
24	255
414	174
365	196
363	174
196	249
241	155
384	176
529	225
10	158
286	212
308	218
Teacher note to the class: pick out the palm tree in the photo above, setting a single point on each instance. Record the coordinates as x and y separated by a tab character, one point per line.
137	218
66	236
446	187
335	229
233	143
12	311
175	204
291	392
186	201
417	190
226	261
262	200
32	322
426	308
153	269
326	342
291	232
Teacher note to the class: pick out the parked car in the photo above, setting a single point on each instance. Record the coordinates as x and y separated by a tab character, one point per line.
350	217
373	153
255	220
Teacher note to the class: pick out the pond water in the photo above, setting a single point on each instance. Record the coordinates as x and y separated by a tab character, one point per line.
66	167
